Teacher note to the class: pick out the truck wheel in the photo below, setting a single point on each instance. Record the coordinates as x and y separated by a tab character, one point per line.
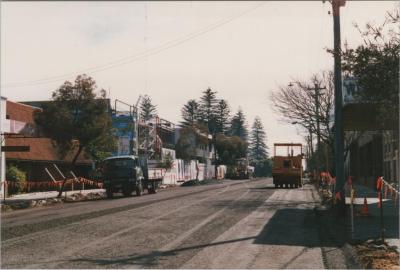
155	186
139	190
109	193
127	192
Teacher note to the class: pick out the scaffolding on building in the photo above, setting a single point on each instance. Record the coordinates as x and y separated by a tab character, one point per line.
155	134
147	137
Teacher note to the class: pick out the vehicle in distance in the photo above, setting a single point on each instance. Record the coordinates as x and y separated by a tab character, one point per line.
242	169
287	169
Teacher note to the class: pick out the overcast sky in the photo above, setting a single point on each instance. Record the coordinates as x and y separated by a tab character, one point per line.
173	51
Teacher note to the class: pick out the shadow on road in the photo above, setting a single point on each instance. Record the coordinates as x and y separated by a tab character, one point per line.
289	227
151	259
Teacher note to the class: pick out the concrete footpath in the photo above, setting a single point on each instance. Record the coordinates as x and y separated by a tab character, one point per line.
369	227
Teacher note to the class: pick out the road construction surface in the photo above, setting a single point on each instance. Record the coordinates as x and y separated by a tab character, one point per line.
235	224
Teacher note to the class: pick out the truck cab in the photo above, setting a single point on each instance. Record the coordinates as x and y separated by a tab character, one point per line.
123	173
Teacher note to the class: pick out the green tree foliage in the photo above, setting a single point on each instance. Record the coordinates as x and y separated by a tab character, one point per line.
222	117
147	109
257	147
190	139
78	120
190	113
207	114
17	177
167	162
263	168
238	126
375	65
258	150
230	148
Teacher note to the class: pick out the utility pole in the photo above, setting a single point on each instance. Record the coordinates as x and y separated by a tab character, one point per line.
339	140
215	155
316	95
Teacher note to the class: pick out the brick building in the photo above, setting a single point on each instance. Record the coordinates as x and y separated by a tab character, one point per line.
43	153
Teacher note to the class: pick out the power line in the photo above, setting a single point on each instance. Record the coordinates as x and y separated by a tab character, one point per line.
135	57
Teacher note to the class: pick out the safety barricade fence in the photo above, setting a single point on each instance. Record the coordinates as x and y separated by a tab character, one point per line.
386	190
51	185
389	190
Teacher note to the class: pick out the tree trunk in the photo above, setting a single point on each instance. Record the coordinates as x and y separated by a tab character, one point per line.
72	167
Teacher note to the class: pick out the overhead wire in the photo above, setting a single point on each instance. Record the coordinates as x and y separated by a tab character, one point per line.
135	57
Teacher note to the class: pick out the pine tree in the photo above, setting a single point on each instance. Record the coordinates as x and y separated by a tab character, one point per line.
208	109
222	117
147	109
257	148
238	126
190	113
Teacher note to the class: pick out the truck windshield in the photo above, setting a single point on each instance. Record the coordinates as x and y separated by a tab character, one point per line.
118	164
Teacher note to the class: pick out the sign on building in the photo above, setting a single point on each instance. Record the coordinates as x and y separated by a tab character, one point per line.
124	126
350	90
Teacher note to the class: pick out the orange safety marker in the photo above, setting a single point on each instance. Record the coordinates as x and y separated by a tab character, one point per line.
364	211
379	183
350	180
338	196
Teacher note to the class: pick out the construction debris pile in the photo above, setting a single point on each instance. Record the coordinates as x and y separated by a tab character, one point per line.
77	197
375	254
16	205
326	187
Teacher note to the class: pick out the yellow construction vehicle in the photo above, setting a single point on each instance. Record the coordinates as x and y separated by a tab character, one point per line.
287	170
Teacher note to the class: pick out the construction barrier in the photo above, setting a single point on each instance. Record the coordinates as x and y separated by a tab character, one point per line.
386	190
52	184
182	171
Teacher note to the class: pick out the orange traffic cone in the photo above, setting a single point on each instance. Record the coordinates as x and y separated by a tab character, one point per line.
364	211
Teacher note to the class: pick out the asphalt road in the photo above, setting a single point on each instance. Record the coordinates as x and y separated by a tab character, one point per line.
236	224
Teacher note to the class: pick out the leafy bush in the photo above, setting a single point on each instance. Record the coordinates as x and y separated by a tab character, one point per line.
168	162
17	179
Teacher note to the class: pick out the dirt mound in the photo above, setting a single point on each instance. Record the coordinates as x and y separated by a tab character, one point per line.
202	182
374	254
